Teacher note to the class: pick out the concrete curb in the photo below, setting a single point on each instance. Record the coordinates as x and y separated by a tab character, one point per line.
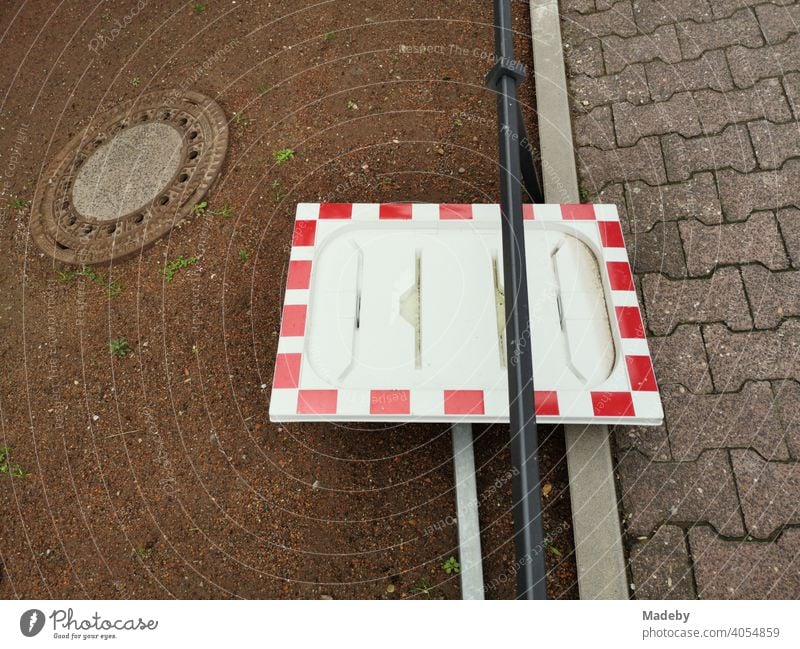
595	516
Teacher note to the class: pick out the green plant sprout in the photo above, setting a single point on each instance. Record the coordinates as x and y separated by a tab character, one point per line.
9	468
283	155
200	208
451	566
174	266
243	255
119	347
18	204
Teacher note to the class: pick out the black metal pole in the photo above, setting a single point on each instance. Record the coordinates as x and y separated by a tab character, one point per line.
528	538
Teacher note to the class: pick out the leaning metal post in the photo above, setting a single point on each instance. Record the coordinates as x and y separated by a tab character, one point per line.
527	508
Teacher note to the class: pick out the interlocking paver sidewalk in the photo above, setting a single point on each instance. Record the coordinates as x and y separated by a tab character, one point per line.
685	115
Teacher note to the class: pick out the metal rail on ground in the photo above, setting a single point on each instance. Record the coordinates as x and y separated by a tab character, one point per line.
596	528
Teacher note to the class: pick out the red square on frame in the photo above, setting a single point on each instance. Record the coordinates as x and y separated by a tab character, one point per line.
463	402
630	322
546	402
390	402
335	210
611	234
395	211
640	371
454	211
287	371
619	275
612	404
299	275
294	320
304	233
578	211
317	402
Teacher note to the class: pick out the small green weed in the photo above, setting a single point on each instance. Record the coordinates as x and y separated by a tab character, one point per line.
422	587
276	185
114	289
119	347
19	204
135	82
144	553
351	105
552	549
243	255
174	266
226	211
200	208
8	467
198	8
283	155
328	37
451	566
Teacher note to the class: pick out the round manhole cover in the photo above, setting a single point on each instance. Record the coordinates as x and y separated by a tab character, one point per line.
130	177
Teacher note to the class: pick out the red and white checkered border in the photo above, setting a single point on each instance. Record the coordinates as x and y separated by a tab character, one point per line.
629	396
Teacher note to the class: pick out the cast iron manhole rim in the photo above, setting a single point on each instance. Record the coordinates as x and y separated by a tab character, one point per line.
80	239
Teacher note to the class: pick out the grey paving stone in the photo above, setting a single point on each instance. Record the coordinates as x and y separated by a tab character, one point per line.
772	296
749	65
765	100
698	422
709	71
650	14
787	403
754	240
618	19
657	251
660	566
741	194
675	115
719	298
595	128
586	58
662	44
791	84
741	28
745	569
731	148
777	22
775	143
769	492
789	221
653	441
629	85
643	161
681	358
695	198
726	8
614	194
765	355
578	6
657	492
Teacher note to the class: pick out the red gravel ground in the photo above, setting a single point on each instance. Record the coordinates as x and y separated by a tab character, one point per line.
158	474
